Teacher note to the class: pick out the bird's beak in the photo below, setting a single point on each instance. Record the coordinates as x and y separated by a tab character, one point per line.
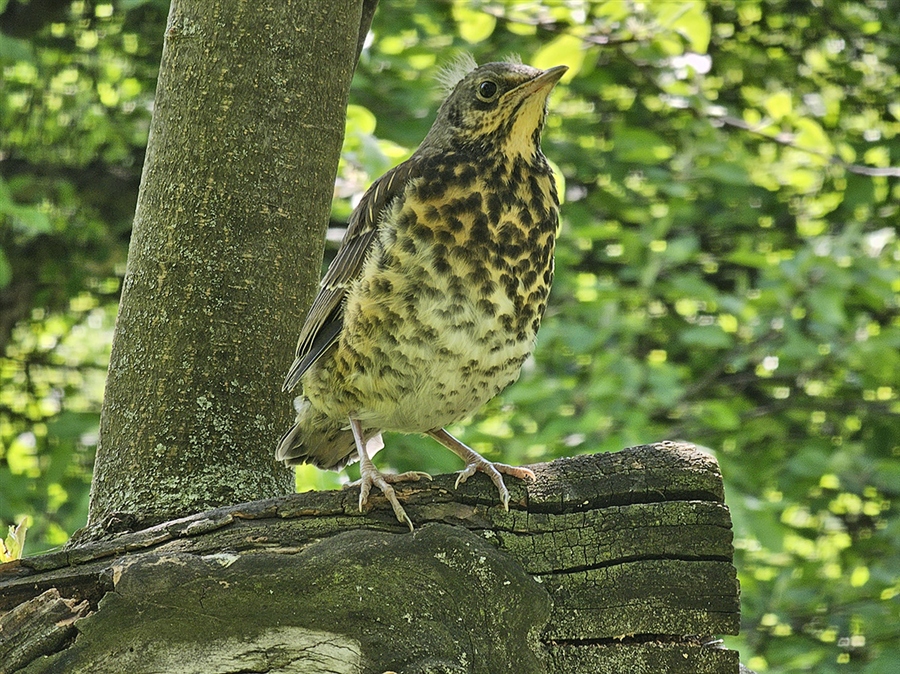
543	82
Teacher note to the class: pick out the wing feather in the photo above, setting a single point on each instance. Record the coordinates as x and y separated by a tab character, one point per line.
325	318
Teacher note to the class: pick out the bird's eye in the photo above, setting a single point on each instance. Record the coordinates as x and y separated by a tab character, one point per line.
487	90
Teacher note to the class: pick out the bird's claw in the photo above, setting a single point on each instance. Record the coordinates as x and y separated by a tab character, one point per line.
383	482
369	475
495	471
477	463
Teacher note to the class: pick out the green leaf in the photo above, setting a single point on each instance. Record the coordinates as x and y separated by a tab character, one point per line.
705	337
360	120
6	199
614	10
720	415
12	547
31	220
641	145
689	20
778	105
565	50
474	25
126	5
72	425
5	270
14	49
811	136
828	305
730	173
560	179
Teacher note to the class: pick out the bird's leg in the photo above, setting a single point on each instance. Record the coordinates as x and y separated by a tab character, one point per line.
475	462
369	475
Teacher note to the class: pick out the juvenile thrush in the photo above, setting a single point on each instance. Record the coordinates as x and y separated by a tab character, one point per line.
435	296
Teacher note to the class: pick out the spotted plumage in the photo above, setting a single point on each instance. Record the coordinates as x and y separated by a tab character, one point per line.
435	296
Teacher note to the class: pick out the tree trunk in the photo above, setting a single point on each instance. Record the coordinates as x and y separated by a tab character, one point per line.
616	563
225	253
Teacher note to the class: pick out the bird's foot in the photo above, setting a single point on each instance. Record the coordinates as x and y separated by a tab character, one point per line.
475	463
371	476
495	471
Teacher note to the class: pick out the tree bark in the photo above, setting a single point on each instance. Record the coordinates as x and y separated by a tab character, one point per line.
617	563
225	254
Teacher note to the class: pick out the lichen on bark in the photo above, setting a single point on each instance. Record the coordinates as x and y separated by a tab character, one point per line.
225	253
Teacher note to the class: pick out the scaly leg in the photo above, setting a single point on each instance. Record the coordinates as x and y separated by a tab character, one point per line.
475	462
369	475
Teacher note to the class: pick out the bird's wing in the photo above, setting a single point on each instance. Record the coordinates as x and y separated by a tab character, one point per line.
325	318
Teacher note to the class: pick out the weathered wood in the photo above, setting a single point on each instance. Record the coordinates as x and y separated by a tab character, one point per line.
607	563
38	626
648	657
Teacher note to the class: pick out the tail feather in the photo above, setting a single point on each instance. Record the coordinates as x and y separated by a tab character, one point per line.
317	439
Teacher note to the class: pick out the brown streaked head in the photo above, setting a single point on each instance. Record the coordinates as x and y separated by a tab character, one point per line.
496	107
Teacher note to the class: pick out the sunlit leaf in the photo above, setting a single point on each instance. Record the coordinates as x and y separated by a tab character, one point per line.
360	120
690	20
474	25
778	104
565	50
810	135
13	545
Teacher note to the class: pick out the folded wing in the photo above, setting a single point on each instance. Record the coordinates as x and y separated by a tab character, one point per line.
324	321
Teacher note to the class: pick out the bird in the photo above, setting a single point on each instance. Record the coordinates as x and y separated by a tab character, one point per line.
434	299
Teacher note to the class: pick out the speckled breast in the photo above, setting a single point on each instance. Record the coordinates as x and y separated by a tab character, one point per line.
451	297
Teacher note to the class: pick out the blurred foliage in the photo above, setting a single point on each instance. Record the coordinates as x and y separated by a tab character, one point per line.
728	269
75	98
13	545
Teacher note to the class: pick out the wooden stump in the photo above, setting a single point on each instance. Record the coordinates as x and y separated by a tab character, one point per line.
607	563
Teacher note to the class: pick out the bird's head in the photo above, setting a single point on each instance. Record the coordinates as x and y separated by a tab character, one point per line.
495	107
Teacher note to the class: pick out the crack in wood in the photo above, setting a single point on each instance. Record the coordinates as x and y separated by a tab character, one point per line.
625	556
